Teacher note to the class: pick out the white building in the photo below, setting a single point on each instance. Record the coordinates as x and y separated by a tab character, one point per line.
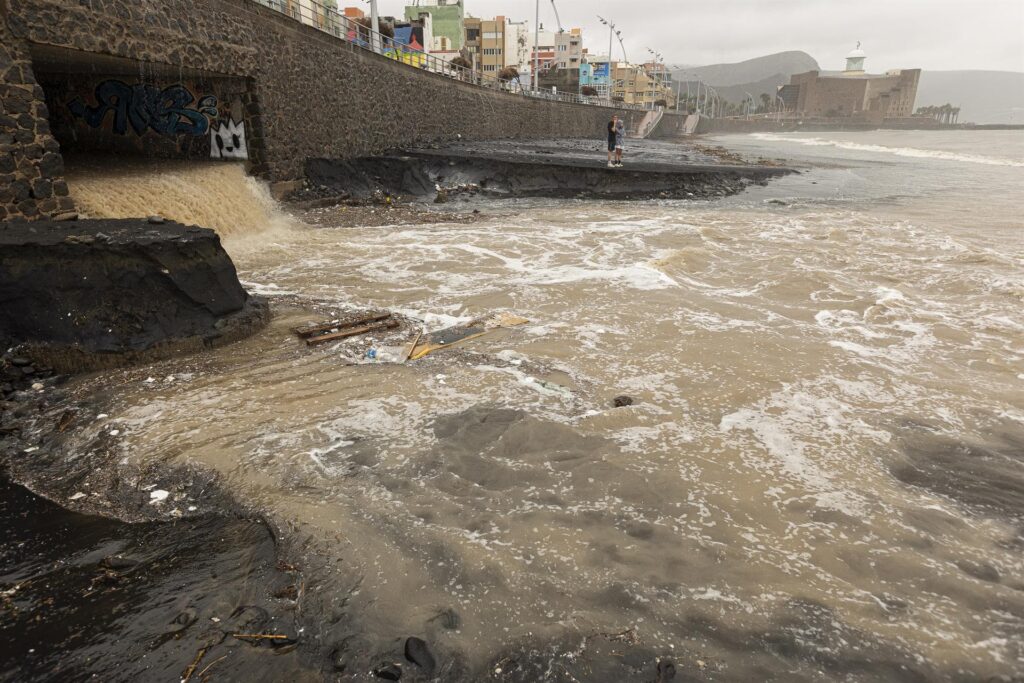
517	45
569	49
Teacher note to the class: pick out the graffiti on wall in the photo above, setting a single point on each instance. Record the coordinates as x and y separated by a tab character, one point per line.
227	140
169	111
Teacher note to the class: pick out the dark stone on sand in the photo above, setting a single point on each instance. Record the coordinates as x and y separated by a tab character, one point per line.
338	659
100	293
248	619
389	672
417	652
666	670
183	620
622	401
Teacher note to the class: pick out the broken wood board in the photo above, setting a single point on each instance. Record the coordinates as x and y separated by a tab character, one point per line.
345	334
310	330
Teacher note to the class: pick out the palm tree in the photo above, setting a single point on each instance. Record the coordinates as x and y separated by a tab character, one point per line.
766	102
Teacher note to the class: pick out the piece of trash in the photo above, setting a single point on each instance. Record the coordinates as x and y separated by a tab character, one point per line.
101	416
386	354
31	449
149	380
158	496
115	432
460	334
37	386
77	496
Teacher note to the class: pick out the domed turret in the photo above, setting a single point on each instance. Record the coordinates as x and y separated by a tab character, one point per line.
855	60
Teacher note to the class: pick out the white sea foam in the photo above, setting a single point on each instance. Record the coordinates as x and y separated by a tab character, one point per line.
637	276
898	151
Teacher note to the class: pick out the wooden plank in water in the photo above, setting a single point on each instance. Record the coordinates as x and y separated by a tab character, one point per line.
344	334
310	330
414	343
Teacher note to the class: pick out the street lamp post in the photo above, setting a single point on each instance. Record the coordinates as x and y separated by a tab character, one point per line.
536	48
611	37
658	75
374	27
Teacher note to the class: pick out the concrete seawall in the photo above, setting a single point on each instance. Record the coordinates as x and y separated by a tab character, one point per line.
287	92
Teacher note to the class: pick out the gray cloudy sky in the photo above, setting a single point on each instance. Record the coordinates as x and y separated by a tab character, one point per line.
931	34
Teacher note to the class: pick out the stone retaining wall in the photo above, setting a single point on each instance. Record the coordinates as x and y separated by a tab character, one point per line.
31	167
311	95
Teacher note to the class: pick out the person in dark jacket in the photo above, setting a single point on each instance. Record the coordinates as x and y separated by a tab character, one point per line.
612	139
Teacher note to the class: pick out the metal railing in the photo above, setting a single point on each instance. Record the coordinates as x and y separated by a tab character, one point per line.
359	36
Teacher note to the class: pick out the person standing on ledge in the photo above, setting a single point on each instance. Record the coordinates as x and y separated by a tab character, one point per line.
620	138
612	137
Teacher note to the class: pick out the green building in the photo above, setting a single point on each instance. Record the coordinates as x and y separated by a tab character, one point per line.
446	19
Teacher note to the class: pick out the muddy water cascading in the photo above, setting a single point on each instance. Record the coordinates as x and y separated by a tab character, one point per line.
220	196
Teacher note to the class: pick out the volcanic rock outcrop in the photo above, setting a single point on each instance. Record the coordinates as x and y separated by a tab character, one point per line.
78	295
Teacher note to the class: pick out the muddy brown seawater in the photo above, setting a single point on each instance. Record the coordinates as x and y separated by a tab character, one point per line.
818	477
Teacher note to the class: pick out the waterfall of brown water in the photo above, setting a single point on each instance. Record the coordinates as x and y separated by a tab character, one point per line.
211	195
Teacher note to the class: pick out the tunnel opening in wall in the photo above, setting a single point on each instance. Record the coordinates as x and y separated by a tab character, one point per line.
141	139
104	105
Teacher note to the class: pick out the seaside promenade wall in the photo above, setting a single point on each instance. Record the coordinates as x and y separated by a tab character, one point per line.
228	79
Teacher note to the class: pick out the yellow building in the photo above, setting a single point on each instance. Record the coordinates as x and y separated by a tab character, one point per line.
634	84
485	43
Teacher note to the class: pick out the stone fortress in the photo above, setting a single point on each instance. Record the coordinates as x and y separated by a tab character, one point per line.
853	93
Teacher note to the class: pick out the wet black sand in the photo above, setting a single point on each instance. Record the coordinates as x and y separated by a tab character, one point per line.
86	597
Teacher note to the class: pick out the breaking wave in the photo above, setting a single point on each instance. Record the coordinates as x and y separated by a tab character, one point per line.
913	152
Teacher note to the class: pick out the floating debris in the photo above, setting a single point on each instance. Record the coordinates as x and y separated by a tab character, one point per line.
454	336
334	330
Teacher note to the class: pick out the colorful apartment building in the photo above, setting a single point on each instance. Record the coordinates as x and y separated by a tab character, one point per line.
447	18
485	44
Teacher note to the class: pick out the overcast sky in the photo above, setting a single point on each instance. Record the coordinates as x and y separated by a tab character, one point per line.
931	34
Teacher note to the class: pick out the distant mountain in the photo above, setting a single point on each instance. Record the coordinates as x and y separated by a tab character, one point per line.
769	67
983	96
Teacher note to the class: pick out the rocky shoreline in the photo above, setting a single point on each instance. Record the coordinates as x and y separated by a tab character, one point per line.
563	169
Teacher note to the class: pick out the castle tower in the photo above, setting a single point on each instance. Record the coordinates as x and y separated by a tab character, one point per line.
855	62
